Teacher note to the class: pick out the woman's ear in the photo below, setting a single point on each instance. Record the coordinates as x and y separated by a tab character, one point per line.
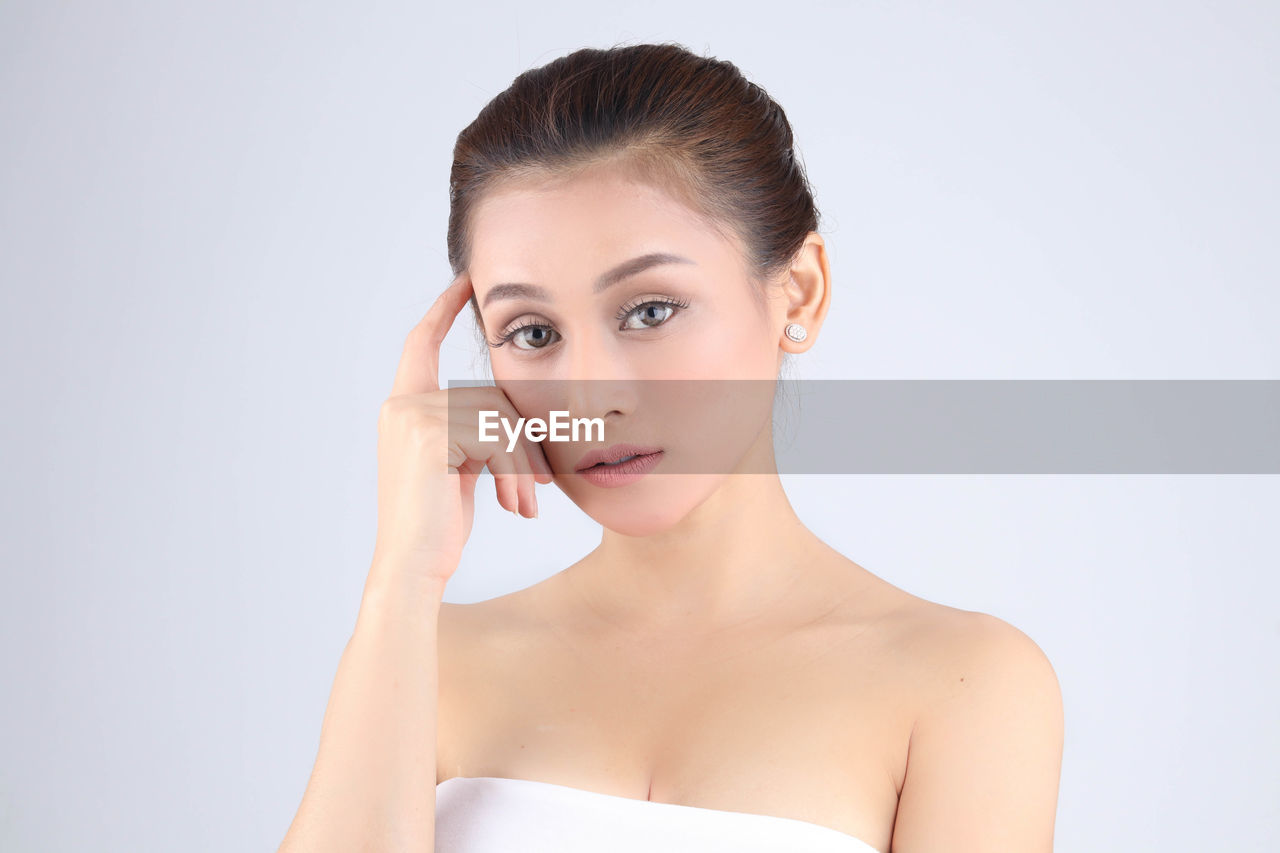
807	295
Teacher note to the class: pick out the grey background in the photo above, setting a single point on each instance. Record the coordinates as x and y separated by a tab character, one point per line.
219	221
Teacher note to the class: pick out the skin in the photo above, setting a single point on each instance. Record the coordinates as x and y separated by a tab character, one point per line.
712	651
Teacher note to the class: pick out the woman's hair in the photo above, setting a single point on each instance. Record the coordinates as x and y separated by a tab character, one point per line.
692	125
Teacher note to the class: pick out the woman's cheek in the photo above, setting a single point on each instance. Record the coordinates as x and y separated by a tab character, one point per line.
721	348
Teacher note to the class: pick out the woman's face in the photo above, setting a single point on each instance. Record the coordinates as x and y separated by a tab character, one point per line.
575	322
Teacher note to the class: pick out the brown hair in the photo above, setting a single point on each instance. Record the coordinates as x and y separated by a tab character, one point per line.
693	125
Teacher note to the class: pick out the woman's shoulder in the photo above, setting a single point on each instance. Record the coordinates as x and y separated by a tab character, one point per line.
954	634
494	634
986	734
969	659
490	625
940	648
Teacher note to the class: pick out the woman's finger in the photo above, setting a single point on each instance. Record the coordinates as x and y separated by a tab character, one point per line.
507	487
419	368
525	480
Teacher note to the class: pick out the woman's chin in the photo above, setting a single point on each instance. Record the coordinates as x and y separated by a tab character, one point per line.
637	524
651	506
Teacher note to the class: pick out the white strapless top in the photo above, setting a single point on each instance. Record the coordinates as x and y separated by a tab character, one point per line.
490	814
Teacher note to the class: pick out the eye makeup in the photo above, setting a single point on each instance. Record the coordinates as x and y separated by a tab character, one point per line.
514	330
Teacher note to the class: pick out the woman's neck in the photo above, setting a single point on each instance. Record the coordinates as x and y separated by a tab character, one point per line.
736	558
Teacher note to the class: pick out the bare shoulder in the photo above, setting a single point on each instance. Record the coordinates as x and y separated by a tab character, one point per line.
483	641
985	751
494	625
467	634
966	652
944	649
945	658
481	647
974	668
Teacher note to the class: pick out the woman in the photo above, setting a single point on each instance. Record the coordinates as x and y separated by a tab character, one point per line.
712	675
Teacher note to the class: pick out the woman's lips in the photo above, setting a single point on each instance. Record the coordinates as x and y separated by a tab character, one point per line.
621	473
614	453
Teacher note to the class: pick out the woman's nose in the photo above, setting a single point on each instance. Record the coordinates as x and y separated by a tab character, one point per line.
598	381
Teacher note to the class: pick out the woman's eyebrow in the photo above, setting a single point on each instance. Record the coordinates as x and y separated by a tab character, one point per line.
514	290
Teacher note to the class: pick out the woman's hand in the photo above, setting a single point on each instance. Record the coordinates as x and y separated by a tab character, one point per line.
426	471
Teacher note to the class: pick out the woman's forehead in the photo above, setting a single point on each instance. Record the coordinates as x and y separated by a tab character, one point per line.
541	239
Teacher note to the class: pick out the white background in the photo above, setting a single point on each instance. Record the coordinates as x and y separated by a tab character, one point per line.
219	221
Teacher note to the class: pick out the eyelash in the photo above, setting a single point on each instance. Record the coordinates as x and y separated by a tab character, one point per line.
623	313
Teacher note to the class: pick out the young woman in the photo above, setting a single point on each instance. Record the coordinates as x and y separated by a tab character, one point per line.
712	676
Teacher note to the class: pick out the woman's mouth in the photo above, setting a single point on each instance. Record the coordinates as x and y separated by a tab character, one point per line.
619	462
618	465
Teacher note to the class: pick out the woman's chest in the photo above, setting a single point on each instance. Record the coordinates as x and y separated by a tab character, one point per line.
807	728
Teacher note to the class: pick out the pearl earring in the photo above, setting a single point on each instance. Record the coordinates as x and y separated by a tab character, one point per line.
795	332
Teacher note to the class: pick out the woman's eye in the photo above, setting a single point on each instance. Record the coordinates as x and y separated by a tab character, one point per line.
532	337
648	315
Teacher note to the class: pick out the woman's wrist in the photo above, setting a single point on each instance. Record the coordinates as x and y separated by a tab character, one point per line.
400	587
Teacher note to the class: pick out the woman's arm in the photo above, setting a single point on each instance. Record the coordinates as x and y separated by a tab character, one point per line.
374	781
985	756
